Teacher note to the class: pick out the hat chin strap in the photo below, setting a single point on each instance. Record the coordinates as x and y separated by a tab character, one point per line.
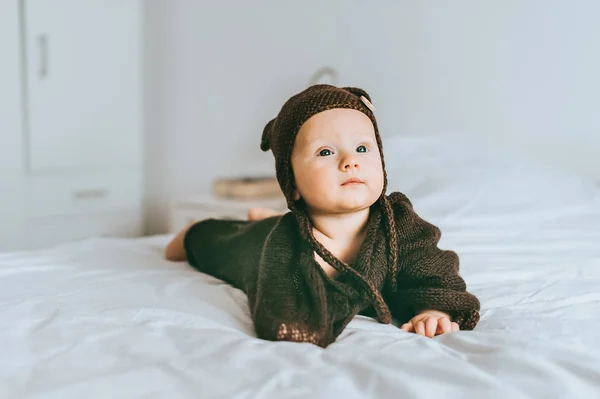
382	310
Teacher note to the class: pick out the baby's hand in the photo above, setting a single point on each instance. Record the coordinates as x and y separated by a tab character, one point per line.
430	323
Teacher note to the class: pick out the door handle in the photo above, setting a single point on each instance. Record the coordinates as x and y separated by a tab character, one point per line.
43	48
90	194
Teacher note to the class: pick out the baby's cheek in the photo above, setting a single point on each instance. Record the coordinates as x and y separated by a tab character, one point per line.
304	179
376	180
322	185
315	185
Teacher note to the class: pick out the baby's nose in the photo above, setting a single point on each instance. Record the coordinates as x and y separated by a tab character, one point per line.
350	162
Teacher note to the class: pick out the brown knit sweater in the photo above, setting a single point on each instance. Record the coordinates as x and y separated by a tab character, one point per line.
290	296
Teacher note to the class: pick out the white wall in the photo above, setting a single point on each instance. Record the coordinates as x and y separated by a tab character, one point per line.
157	189
223	71
521	73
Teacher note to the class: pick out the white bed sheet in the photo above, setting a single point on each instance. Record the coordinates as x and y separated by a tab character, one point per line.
110	318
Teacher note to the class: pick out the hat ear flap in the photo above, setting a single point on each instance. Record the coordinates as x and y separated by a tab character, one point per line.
358	92
265	142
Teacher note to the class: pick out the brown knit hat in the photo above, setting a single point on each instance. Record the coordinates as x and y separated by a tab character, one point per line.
280	134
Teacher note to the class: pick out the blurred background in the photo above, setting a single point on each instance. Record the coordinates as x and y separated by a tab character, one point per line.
111	110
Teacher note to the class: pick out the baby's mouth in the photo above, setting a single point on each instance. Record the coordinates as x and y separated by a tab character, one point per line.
352	181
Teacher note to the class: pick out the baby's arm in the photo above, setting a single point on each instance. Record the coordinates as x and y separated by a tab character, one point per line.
175	251
429	285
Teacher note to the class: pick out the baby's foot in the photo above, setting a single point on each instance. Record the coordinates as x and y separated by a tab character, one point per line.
261	213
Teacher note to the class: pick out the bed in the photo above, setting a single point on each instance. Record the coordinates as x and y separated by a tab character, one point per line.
108	317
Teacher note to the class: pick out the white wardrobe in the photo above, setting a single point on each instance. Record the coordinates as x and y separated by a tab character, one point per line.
70	121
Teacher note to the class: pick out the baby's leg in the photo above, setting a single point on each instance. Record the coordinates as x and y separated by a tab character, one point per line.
262	213
175	251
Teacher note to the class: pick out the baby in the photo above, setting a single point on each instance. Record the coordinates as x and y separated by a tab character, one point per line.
345	248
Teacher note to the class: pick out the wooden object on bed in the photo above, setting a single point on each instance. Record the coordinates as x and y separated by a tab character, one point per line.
257	187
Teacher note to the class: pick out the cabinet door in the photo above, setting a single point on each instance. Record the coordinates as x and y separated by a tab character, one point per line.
84	83
11	196
11	212
10	89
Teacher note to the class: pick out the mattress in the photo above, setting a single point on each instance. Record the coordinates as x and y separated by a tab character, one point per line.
110	318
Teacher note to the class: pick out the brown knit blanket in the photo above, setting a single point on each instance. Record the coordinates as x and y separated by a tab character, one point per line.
290	296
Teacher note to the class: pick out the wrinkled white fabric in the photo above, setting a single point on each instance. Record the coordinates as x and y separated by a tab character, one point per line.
109	318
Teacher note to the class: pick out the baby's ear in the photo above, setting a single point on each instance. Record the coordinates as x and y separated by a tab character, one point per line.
358	92
265	142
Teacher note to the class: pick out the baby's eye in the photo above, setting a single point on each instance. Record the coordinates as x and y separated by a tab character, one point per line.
361	148
324	153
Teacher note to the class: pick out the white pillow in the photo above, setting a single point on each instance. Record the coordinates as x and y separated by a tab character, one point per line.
466	182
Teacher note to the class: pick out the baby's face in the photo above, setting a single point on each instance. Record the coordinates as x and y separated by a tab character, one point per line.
336	162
